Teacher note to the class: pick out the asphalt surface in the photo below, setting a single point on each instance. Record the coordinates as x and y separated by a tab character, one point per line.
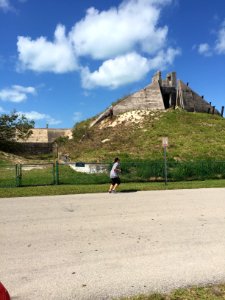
100	246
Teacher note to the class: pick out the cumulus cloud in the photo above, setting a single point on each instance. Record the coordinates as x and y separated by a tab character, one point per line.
43	56
115	72
16	93
5	5
220	42
105	34
127	42
126	69
164	58
36	116
204	49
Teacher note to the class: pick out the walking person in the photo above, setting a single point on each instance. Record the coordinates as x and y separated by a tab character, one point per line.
114	175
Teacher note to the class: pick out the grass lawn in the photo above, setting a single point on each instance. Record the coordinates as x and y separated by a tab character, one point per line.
101	188
211	292
192	136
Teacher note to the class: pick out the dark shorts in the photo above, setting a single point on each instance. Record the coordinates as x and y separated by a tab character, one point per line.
115	180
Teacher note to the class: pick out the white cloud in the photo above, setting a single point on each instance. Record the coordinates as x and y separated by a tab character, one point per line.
127	40
43	56
116	72
107	34
220	43
77	116
16	93
204	49
164	59
126	69
36	116
5	5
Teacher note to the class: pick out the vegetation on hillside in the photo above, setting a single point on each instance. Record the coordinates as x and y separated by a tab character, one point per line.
120	99
191	136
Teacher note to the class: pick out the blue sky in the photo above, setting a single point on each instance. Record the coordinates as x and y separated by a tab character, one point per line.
62	61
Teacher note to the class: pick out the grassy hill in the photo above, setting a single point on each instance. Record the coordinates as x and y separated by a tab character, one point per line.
138	136
9	158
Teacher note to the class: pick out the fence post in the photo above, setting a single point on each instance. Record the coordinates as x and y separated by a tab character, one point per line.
165	144
165	165
53	173
56	172
16	167
18	175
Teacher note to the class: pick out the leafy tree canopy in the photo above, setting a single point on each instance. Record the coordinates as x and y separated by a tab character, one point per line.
14	126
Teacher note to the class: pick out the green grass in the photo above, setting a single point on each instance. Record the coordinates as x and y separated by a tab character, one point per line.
103	188
69	176
142	171
191	136
7	175
211	292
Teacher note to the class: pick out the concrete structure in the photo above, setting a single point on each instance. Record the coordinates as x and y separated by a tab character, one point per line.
47	135
160	95
42	139
89	168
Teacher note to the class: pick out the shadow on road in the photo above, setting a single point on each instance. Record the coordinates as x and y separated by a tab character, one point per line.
128	191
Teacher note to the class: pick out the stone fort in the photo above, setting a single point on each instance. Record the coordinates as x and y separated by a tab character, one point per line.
41	140
47	135
161	94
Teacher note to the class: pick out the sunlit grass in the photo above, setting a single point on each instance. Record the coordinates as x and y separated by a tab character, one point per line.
211	292
103	188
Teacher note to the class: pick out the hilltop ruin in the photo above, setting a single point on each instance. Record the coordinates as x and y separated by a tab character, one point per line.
160	94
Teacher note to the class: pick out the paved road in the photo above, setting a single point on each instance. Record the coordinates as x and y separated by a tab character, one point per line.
100	246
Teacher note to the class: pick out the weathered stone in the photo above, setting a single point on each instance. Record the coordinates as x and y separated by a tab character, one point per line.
160	95
42	139
46	135
191	101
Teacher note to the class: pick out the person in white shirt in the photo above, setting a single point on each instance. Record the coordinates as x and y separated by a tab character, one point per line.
114	175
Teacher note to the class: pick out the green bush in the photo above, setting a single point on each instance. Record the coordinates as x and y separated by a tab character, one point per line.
197	170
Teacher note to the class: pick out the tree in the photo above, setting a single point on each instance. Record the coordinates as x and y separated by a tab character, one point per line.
14	126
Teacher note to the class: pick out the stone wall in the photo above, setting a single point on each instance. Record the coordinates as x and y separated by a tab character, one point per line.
41	140
36	148
191	101
39	135
149	98
159	95
46	135
55	133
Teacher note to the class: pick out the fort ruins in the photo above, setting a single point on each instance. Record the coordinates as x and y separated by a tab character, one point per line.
160	94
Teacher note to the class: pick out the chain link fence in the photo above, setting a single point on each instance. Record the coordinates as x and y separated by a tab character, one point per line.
8	176
98	173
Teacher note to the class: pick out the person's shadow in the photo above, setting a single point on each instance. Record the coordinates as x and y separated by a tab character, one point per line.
128	191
